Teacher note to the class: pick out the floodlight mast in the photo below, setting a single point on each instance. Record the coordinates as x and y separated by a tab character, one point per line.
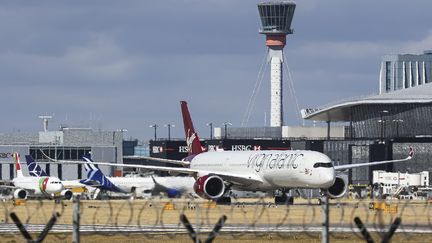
276	18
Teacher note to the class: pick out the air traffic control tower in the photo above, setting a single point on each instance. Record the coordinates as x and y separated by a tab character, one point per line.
276	20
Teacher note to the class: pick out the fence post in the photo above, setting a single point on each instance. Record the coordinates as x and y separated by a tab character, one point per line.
76	219
325	216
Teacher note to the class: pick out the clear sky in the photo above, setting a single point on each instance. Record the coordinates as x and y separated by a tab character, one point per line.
114	64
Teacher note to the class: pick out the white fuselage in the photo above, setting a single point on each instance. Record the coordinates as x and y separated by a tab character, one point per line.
277	169
39	186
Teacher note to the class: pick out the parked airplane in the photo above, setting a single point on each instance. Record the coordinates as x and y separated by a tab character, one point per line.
44	186
171	186
36	170
217	172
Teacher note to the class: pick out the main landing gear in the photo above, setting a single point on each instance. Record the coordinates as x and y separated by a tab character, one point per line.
281	198
226	197
224	201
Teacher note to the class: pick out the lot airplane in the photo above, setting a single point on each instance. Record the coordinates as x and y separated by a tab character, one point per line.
44	186
36	170
171	186
217	172
141	186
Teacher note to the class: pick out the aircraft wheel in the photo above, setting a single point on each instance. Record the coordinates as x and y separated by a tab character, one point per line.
224	201
284	200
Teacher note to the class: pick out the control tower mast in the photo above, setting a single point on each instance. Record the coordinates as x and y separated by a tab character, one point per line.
276	20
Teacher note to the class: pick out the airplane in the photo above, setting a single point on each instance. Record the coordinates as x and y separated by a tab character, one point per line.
36	170
217	172
44	186
172	186
140	186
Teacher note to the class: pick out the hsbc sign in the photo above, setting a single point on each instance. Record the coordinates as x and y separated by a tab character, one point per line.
183	149
157	149
5	155
245	147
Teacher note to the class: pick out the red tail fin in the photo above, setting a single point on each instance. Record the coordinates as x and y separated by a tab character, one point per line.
192	140
17	164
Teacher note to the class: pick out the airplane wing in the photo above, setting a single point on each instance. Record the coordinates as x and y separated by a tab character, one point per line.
9	187
230	177
32	191
170	161
350	166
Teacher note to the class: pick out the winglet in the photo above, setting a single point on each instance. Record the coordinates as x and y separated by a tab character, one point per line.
411	153
192	140
16	157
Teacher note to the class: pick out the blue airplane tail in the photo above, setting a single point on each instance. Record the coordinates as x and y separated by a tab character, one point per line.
34	168
96	178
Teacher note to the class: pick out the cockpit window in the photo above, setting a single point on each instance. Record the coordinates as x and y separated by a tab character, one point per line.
323	164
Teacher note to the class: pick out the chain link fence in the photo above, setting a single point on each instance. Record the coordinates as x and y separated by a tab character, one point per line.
254	218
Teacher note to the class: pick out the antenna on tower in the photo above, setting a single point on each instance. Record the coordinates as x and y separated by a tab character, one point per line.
276	18
45	122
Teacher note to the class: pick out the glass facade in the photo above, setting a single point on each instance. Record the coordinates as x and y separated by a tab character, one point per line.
276	17
401	120
405	71
388	76
360	154
59	153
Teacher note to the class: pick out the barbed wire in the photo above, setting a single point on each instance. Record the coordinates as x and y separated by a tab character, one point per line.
259	217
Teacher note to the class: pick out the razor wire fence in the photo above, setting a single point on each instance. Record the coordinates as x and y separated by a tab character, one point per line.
244	217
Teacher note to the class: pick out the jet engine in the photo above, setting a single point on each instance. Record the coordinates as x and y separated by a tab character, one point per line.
173	193
338	189
209	187
20	194
66	194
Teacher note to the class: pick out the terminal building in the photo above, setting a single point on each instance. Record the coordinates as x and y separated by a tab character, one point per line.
65	144
382	127
404	71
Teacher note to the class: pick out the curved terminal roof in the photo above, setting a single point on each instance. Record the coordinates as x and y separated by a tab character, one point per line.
341	111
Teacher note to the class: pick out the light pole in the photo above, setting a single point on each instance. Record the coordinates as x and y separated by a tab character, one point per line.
382	124
169	130
226	125
210	124
397	121
155	126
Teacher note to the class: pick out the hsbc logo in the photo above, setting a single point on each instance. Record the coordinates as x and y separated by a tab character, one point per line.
5	155
245	147
214	148
183	149
157	149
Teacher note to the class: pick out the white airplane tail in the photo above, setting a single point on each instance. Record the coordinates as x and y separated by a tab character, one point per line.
16	157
